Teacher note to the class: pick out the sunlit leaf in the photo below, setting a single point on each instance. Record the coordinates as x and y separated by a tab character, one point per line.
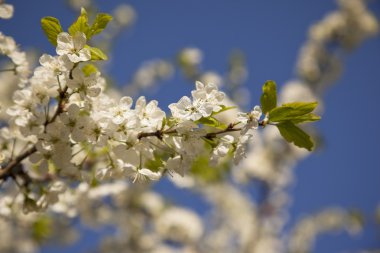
291	111
269	97
80	25
294	134
51	28
99	24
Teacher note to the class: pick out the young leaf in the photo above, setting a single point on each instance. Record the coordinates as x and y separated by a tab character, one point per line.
51	28
154	164
268	99
224	108
89	69
80	25
292	133
202	170
212	122
42	228
310	117
97	54
291	111
100	24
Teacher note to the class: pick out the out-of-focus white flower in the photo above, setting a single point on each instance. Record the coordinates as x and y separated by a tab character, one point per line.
78	4
241	146
191	56
9	48
143	174
179	225
212	77
6	11
135	172
124	14
2	157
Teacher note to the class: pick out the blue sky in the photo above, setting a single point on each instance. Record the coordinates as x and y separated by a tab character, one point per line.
346	172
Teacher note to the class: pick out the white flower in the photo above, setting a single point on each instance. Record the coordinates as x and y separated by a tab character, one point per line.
57	65
43	155
73	47
222	149
114	172
138	174
179	224
208	94
6	11
191	56
55	132
150	114
250	120
241	147
177	165
206	99
186	109
22	110
94	132
51	195
75	122
85	85
122	113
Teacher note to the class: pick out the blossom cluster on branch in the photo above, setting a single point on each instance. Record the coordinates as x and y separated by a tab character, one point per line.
70	148
71	130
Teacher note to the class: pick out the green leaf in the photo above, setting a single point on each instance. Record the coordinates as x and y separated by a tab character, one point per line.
211	142
291	111
80	25
99	24
292	133
41	228
154	164
51	28
202	170
89	69
224	108
211	121
310	117
269	97
170	122
97	54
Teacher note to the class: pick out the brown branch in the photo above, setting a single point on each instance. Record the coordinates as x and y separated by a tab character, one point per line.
7	171
159	133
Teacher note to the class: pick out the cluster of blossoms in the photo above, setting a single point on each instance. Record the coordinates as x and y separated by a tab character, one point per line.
70	129
70	144
9	48
343	29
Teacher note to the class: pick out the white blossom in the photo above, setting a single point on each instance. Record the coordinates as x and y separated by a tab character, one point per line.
150	115
84	85
73	47
6	11
222	149
250	120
